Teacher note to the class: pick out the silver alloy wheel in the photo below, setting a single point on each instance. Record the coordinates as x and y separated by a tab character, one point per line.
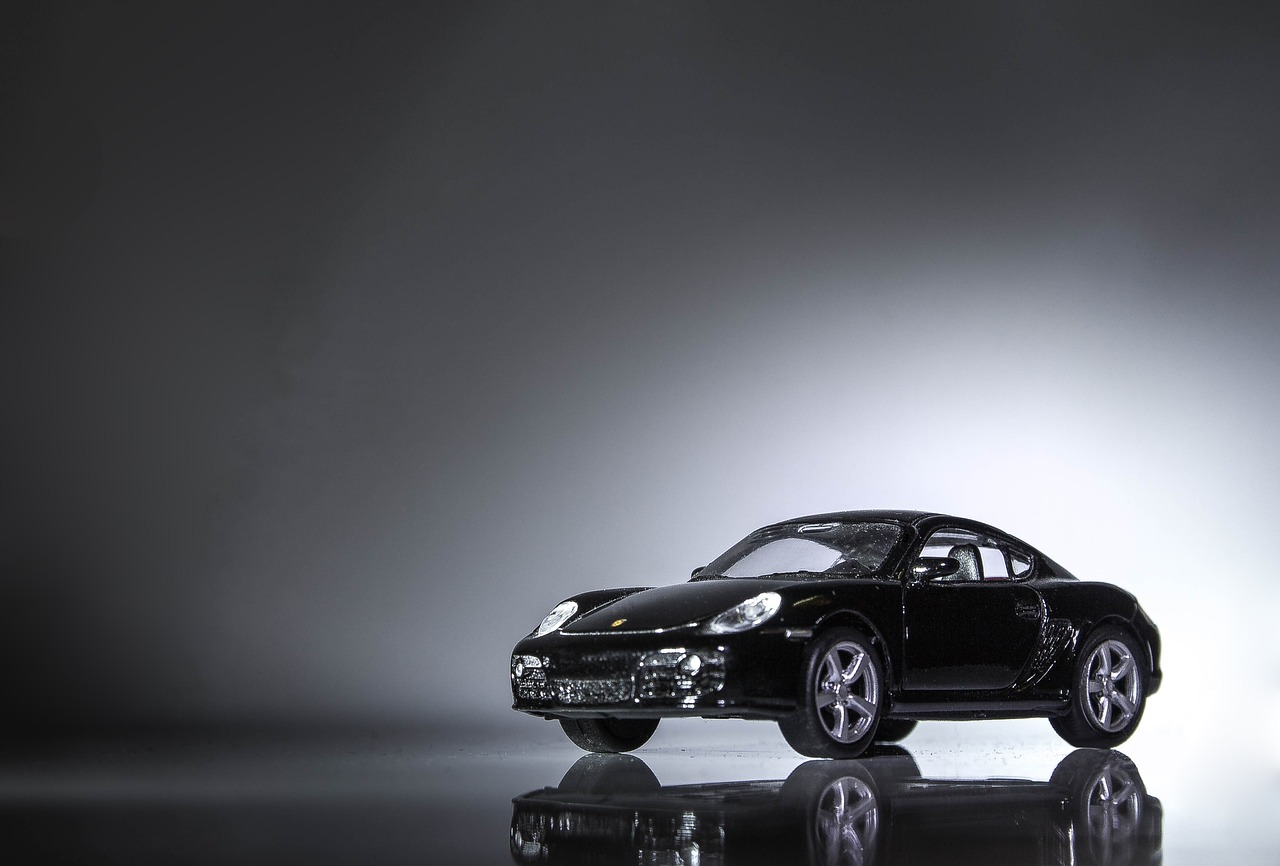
1113	811
1114	686
846	822
846	692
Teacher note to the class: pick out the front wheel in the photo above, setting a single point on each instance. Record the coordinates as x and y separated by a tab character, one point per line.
609	735
609	774
844	691
1108	692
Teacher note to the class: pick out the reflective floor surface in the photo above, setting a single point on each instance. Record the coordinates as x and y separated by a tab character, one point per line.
701	793
1093	809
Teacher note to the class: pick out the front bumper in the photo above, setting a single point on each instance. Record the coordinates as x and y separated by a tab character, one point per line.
653	676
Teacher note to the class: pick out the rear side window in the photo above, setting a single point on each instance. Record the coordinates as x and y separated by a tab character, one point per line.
1020	562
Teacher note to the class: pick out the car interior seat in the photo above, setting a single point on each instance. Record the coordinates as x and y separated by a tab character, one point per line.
970	562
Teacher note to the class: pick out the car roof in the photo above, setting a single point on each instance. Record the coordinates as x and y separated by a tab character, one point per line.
891	515
923	520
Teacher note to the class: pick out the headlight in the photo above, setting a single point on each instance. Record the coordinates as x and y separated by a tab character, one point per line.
747	615
558	617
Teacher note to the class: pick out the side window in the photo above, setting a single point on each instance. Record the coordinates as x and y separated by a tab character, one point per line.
981	557
961	545
1021	563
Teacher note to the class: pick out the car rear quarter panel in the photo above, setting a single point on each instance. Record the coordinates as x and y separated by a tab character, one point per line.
1089	605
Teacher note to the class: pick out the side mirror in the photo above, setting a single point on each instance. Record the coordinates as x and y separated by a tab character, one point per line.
933	567
697	571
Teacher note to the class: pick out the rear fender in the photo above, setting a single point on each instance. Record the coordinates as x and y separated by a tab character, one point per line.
1130	628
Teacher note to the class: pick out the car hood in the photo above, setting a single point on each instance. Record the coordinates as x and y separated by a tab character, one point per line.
670	606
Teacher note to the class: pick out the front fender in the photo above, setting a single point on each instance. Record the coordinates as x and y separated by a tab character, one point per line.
873	607
594	600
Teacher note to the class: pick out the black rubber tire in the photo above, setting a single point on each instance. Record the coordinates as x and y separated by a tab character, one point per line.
804	730
1077	726
609	735
609	774
806	799
1118	823
894	730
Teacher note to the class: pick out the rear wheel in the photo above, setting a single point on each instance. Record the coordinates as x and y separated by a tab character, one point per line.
1114	819
609	735
1108	691
844	693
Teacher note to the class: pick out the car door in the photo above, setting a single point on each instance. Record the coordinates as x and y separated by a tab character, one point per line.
976	629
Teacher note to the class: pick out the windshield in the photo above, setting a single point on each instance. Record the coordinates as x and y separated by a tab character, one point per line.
844	549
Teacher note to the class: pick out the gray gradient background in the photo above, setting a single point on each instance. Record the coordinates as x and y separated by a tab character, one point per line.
341	345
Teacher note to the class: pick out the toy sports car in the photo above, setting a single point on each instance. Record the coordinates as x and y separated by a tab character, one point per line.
847	629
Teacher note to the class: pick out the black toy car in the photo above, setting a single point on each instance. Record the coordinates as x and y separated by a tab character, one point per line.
1094	809
846	629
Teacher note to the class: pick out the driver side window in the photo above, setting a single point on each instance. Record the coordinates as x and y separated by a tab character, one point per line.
982	558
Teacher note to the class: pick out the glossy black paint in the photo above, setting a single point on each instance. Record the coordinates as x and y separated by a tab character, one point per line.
1093	809
996	624
995	649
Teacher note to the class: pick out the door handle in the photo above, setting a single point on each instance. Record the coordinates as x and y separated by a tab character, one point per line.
1027	610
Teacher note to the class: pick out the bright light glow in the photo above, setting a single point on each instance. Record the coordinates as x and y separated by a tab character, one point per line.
747	615
559	616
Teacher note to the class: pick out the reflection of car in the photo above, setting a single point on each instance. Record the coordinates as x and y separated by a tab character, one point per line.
611	809
848	628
